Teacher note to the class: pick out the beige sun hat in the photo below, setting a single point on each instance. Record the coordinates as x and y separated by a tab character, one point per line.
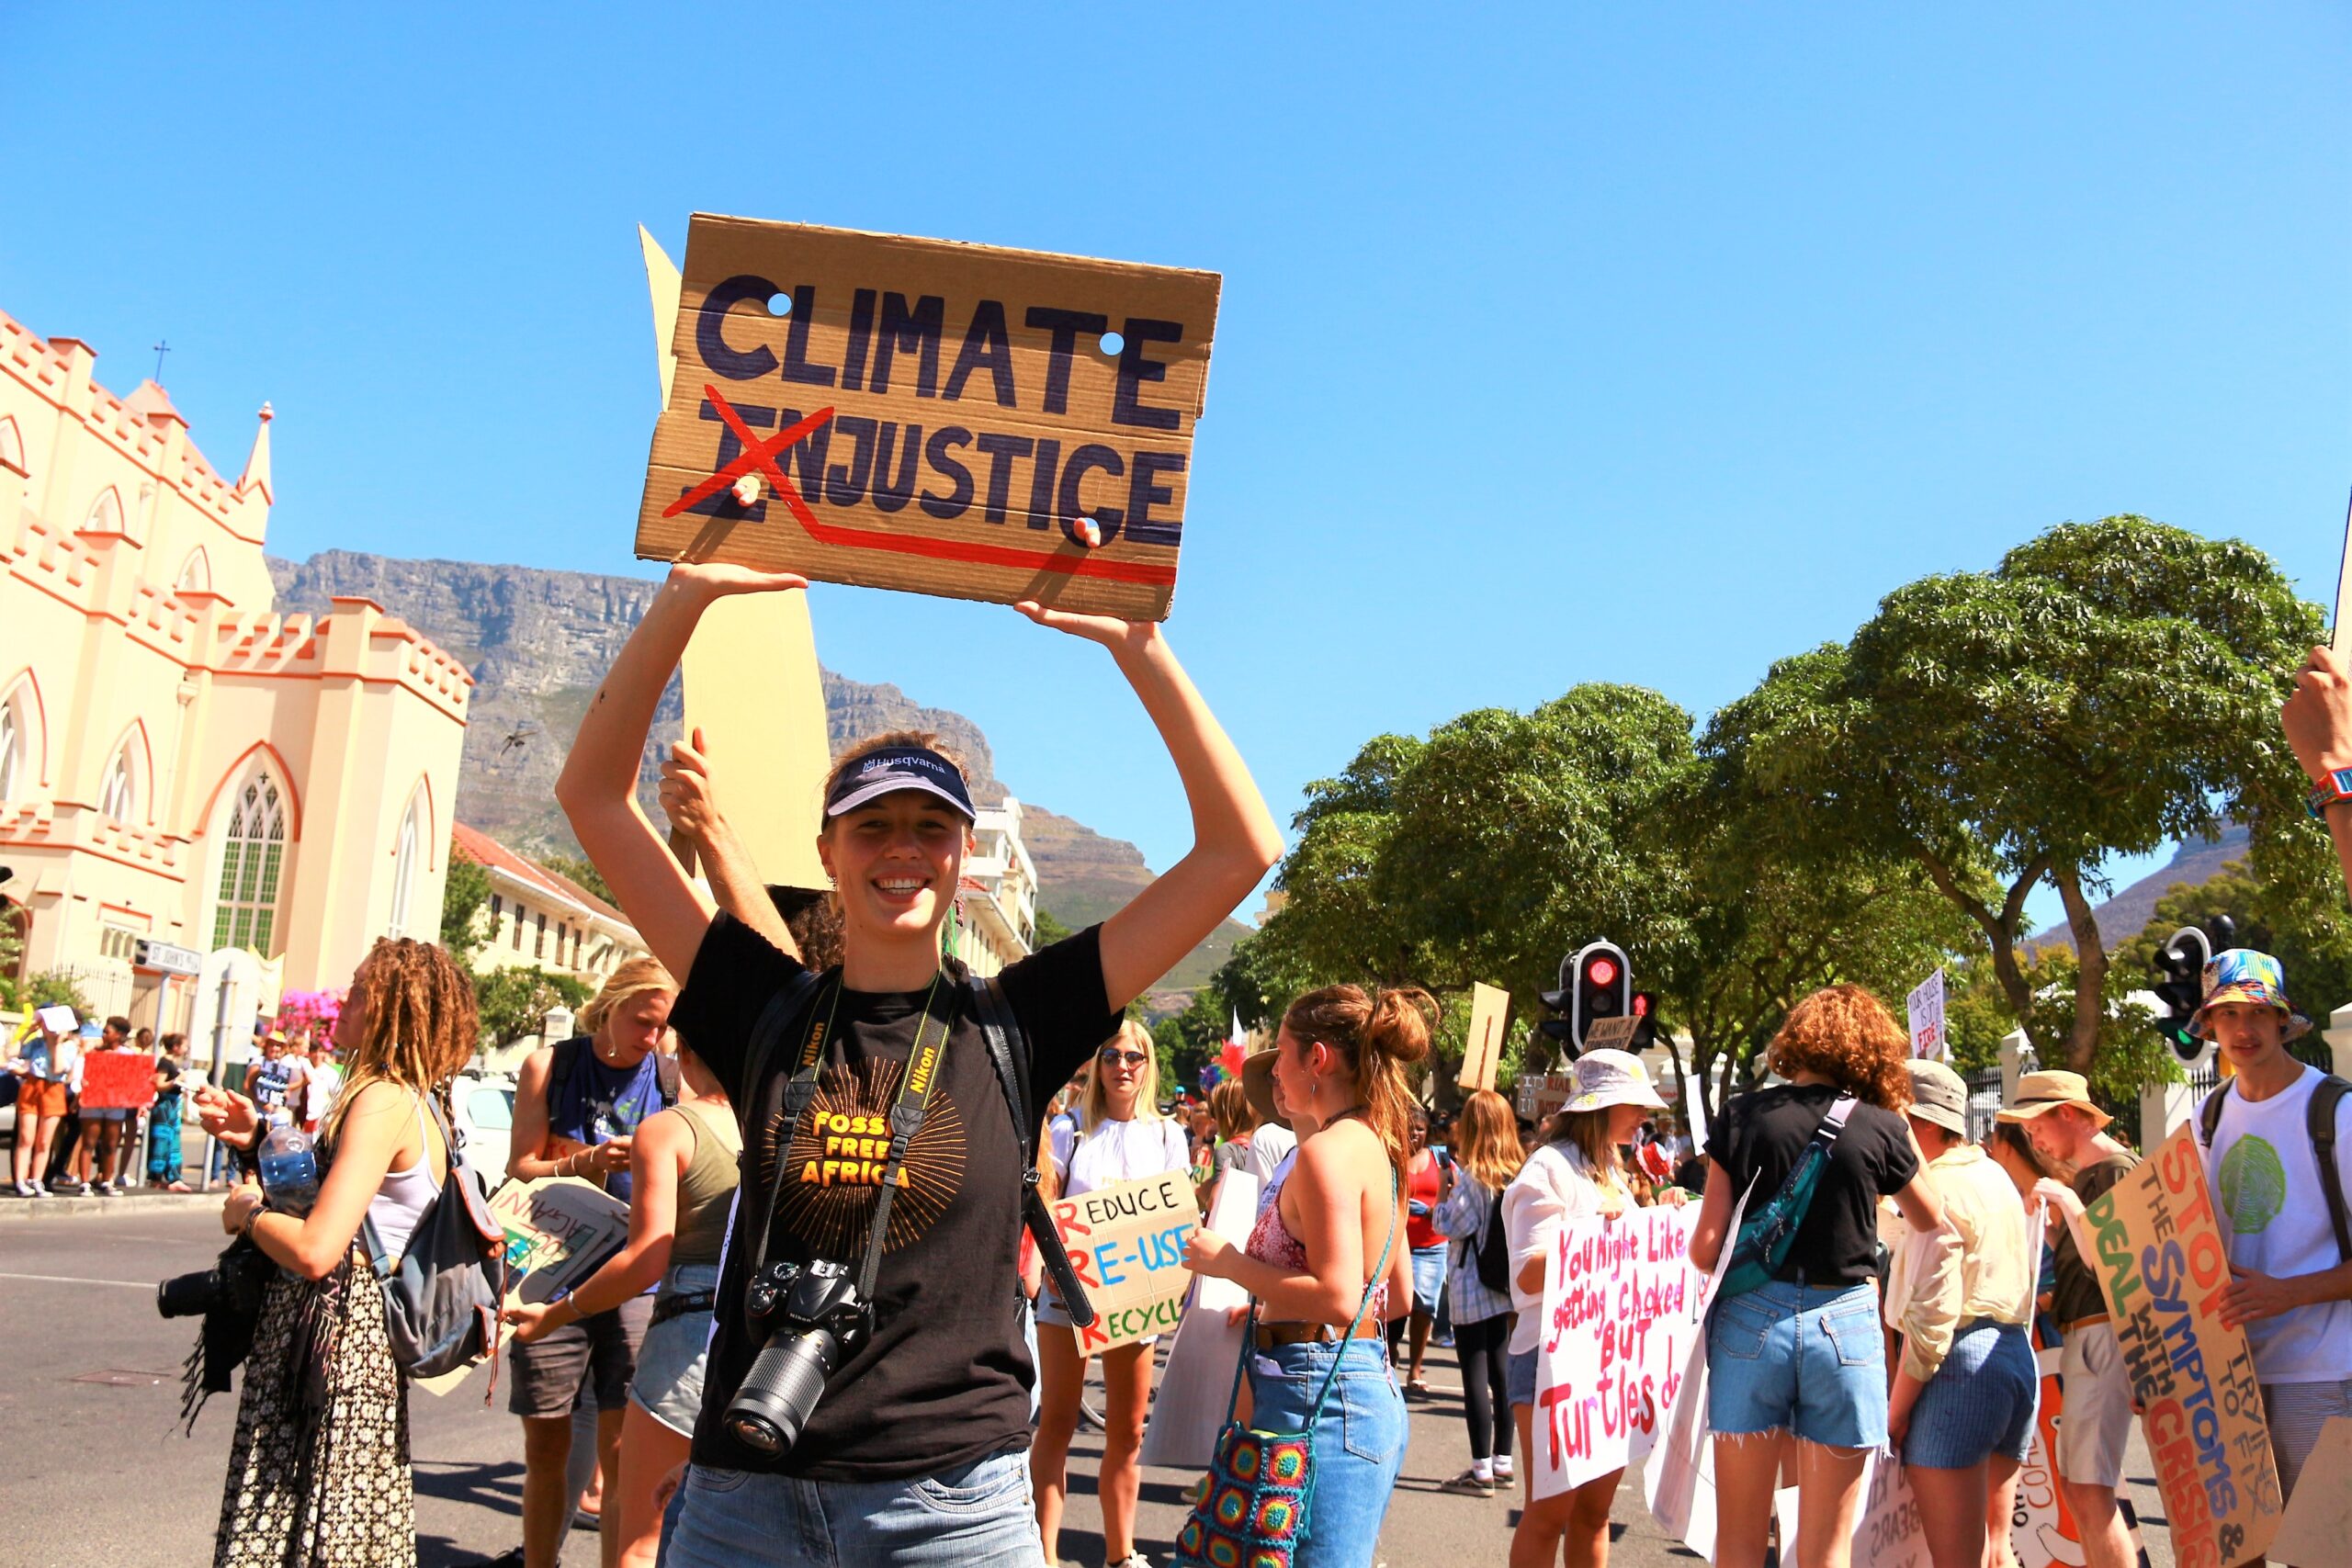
2039	1093
1607	1077
1258	1083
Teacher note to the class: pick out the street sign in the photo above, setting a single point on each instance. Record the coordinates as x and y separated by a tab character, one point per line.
163	958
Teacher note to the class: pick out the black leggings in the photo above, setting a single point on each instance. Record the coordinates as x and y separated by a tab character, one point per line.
1484	1349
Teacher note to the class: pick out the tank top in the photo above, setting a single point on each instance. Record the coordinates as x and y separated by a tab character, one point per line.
1423	1187
401	1201
706	1189
597	1103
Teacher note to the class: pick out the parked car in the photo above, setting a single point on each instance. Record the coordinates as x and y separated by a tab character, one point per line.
485	1107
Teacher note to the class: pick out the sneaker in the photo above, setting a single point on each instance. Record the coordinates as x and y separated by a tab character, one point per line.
104	1189
26	1190
1469	1484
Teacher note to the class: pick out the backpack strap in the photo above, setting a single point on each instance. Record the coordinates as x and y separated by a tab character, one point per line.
2322	1122
2209	1115
666	1077
1010	1052
565	1053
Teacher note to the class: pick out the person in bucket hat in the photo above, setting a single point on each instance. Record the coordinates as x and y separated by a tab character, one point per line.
2279	1158
2070	1134
2244	975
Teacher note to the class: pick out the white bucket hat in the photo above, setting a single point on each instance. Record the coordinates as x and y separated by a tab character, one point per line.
1606	1077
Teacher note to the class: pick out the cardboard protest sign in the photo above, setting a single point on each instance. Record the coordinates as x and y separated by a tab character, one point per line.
1484	1050
1926	1006
1611	1033
1539	1094
115	1080
559	1230
943	418
1887	1532
1126	1244
2317	1529
1621	1313
2163	1266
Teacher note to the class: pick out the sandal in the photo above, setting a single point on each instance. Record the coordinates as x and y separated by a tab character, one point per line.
1469	1484
1419	1386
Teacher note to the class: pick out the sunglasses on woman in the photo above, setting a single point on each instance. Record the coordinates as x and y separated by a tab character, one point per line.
1110	1056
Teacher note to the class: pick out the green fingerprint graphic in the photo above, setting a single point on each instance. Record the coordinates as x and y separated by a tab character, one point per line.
2254	1185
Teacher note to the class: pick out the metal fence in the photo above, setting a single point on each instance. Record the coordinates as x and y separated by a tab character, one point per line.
1983	1102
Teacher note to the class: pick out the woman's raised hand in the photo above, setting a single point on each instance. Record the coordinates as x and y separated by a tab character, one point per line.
1108	630
227	1115
717	579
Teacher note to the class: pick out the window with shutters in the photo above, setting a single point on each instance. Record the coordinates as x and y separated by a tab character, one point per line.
253	853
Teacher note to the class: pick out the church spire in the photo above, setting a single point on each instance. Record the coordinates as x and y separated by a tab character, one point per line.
257	475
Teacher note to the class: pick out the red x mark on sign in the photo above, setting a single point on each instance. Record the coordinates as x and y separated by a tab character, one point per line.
760	452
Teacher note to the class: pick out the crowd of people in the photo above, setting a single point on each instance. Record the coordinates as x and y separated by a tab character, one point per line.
795	1358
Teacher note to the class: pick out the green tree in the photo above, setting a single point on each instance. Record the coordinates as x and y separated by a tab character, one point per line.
514	1002
2107	687
1049	929
581	869
463	894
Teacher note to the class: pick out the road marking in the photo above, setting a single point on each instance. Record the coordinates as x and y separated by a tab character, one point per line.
68	1280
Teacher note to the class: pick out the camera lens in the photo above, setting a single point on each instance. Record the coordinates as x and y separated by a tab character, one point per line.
780	1390
189	1295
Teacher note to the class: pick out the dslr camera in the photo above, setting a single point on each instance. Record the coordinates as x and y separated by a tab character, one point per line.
807	1319
233	1286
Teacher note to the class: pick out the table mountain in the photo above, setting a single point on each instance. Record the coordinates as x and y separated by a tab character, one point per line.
538	642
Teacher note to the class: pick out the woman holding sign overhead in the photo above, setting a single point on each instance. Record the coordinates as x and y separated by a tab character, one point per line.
868	1401
1121	1137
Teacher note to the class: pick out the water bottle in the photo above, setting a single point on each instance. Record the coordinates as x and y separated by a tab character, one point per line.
290	1170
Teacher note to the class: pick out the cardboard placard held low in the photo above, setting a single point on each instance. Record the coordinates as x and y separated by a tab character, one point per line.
2163	1266
117	1080
929	416
559	1230
1484	1050
1126	1244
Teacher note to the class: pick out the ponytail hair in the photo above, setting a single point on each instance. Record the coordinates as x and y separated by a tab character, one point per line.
1383	1035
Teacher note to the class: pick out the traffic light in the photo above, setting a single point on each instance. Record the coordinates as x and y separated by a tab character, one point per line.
2181	961
1595	983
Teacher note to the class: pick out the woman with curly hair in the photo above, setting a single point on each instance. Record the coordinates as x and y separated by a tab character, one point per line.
1801	1356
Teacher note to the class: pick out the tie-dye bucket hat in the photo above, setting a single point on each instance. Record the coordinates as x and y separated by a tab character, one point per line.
2243	975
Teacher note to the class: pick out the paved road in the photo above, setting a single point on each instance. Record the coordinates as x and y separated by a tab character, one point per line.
93	1467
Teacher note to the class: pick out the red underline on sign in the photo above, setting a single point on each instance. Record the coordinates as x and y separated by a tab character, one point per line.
760	452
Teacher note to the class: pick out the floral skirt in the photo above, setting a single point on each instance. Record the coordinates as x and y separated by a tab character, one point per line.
329	1489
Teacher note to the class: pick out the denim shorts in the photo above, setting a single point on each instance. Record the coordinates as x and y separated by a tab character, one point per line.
978	1514
1428	1277
1792	1358
1359	1443
1980	1403
668	1385
1518	1377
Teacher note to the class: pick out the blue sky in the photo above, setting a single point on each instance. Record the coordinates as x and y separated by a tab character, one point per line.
1572	343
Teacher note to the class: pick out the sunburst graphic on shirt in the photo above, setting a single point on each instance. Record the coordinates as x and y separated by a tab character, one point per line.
834	1162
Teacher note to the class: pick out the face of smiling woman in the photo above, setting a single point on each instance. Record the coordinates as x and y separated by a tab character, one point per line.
895	862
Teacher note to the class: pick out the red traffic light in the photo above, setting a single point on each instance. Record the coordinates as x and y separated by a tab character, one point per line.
1640	1004
1601	971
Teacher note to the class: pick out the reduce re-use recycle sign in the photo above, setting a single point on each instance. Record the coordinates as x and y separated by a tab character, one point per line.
948	419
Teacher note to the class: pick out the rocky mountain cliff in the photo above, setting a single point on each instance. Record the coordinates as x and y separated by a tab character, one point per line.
538	641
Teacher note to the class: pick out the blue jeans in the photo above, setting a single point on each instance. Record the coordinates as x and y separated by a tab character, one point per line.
1792	1358
978	1516
1359	1444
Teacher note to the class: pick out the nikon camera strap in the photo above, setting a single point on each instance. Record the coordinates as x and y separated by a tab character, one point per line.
906	1110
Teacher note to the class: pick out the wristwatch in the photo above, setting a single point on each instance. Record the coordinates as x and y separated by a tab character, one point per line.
2336	788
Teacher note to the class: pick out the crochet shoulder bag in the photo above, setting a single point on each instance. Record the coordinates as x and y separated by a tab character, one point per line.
1251	1509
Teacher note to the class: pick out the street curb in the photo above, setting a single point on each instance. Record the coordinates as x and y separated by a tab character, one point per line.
82	1208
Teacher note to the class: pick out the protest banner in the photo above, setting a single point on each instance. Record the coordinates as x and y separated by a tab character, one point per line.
2317	1529
944	418
1196	1385
1621	1312
1539	1094
1482	1049
1126	1244
559	1230
57	1018
2164	1267
1926	1006
1887	1532
1679	1482
117	1080
1611	1033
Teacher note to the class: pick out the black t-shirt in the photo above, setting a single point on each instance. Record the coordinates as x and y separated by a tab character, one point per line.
2076	1294
945	1379
1761	1136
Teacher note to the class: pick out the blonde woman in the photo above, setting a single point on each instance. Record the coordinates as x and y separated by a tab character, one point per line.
1121	1137
319	1471
1489	1158
1575	1174
578	1104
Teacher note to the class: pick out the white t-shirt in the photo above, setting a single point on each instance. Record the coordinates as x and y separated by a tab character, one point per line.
2274	1219
1121	1151
1269	1147
321	1084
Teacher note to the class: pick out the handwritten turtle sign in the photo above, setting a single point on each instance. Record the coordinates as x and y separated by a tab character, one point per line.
1126	1244
948	419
